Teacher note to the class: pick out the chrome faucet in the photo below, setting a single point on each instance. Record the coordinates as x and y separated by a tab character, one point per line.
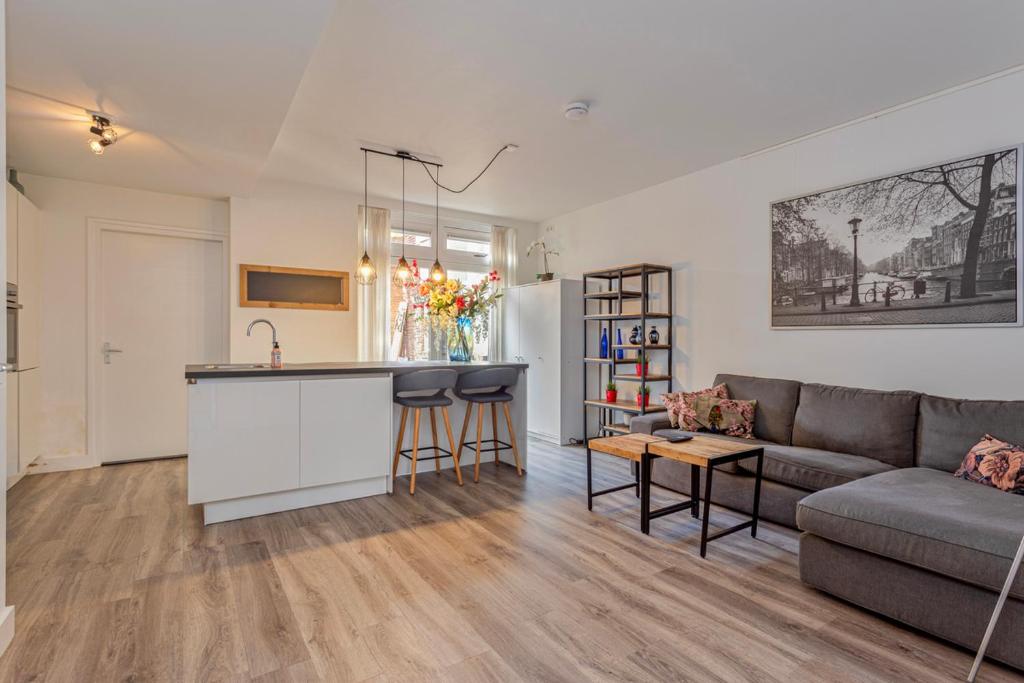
273	330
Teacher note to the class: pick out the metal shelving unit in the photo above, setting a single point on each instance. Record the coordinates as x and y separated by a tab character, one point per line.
604	293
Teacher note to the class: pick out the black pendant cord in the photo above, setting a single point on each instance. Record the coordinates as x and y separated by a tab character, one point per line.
366	209
403	209
426	167
437	219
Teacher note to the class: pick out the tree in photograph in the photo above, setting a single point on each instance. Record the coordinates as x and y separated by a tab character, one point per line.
900	202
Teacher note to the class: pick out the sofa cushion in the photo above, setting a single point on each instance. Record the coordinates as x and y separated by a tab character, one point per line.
731	467
926	518
812	469
776	404
874	424
995	463
948	428
649	423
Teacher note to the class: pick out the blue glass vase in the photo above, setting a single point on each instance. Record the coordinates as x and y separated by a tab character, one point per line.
604	343
619	353
460	340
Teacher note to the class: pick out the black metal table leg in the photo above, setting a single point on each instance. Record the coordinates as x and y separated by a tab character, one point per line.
707	513
757	493
645	492
637	465
590	486
695	490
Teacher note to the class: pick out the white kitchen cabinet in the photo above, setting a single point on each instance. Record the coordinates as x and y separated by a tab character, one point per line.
13	466
341	424
543	325
243	439
12	234
29	283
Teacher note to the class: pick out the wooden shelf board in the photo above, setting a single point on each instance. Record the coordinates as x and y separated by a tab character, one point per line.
625	406
626	316
617	428
597	360
617	361
649	378
613	294
631	270
636	347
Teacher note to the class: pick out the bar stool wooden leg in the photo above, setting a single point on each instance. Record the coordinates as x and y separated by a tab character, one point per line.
494	431
398	446
465	427
433	432
451	443
512	438
479	434
415	449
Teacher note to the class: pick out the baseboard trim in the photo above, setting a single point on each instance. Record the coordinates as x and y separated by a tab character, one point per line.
6	627
14	479
279	501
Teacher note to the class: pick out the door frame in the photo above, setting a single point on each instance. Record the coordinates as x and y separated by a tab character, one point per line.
94	230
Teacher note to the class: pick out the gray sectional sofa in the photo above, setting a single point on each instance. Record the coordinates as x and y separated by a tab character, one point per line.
867	477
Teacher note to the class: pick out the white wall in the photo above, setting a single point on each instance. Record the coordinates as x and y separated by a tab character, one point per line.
64	207
302	226
713	228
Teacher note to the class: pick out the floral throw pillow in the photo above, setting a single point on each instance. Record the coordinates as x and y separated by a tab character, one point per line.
995	463
680	406
726	416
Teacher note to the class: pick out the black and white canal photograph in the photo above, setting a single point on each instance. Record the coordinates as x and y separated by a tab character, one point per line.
932	246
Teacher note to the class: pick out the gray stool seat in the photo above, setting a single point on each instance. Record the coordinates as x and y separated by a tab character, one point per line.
419	390
488	386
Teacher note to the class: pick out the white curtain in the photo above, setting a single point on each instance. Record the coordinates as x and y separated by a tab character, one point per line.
374	300
505	260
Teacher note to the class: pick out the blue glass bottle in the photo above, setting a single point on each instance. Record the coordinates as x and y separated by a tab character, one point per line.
619	352
604	343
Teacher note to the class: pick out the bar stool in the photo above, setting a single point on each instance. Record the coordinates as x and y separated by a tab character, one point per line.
417	383
482	387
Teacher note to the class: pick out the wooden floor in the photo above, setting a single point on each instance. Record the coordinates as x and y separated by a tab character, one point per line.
115	578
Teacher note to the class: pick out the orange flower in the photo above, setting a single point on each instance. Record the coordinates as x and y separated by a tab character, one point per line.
1003	468
424	290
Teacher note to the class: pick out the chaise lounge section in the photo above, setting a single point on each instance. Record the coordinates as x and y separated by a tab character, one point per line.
867	476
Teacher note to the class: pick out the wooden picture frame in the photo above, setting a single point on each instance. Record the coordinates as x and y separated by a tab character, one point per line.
284	287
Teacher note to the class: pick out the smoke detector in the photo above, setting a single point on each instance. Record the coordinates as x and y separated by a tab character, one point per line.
574	111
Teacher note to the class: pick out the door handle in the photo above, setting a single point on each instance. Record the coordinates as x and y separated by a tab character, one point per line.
107	350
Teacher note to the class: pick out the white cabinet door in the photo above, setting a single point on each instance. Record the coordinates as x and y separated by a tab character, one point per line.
29	284
540	323
510	332
30	423
13	466
243	439
345	428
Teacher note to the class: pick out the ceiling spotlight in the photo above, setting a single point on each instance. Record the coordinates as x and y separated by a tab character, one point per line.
574	111
102	128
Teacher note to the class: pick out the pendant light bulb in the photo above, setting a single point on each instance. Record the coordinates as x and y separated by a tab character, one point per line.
366	272
402	271
437	273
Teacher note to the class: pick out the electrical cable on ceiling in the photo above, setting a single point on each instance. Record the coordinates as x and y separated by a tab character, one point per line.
426	167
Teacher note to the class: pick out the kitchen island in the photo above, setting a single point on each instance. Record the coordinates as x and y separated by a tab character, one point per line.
264	440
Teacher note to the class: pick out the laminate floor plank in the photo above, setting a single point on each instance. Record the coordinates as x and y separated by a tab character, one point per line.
114	577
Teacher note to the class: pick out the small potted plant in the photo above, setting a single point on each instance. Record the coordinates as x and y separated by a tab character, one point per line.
643	397
540	246
642	362
611	392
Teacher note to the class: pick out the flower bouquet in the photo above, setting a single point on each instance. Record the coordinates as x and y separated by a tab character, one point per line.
462	311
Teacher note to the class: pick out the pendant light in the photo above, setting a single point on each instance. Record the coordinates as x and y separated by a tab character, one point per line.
437	273
366	273
402	271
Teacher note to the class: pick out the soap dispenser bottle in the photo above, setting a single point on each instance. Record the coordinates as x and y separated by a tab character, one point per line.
275	357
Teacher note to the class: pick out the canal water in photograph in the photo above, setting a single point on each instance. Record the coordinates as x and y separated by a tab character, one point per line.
934	246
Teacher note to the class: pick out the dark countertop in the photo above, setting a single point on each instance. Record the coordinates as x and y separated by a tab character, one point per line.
351	368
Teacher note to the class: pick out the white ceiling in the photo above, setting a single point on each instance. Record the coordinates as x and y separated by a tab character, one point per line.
676	86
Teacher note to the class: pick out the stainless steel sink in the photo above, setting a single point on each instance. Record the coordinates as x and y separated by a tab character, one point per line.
234	366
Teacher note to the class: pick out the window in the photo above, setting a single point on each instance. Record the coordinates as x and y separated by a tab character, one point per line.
465	253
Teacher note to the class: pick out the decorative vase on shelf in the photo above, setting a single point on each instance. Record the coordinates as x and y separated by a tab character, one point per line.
619	353
460	340
635	335
654	335
604	343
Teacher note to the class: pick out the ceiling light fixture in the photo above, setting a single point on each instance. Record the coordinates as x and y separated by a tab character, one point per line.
402	271
366	273
574	111
437	272
105	132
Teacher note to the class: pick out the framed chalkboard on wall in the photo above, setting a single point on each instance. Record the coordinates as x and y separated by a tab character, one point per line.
282	287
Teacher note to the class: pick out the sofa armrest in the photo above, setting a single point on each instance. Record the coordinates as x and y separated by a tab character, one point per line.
649	423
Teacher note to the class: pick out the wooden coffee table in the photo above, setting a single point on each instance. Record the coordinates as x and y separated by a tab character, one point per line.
698	452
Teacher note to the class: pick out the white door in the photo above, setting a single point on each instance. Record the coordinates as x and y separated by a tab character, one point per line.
159	305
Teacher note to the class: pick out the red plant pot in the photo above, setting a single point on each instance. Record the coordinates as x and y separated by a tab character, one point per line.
643	400
611	396
641	369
